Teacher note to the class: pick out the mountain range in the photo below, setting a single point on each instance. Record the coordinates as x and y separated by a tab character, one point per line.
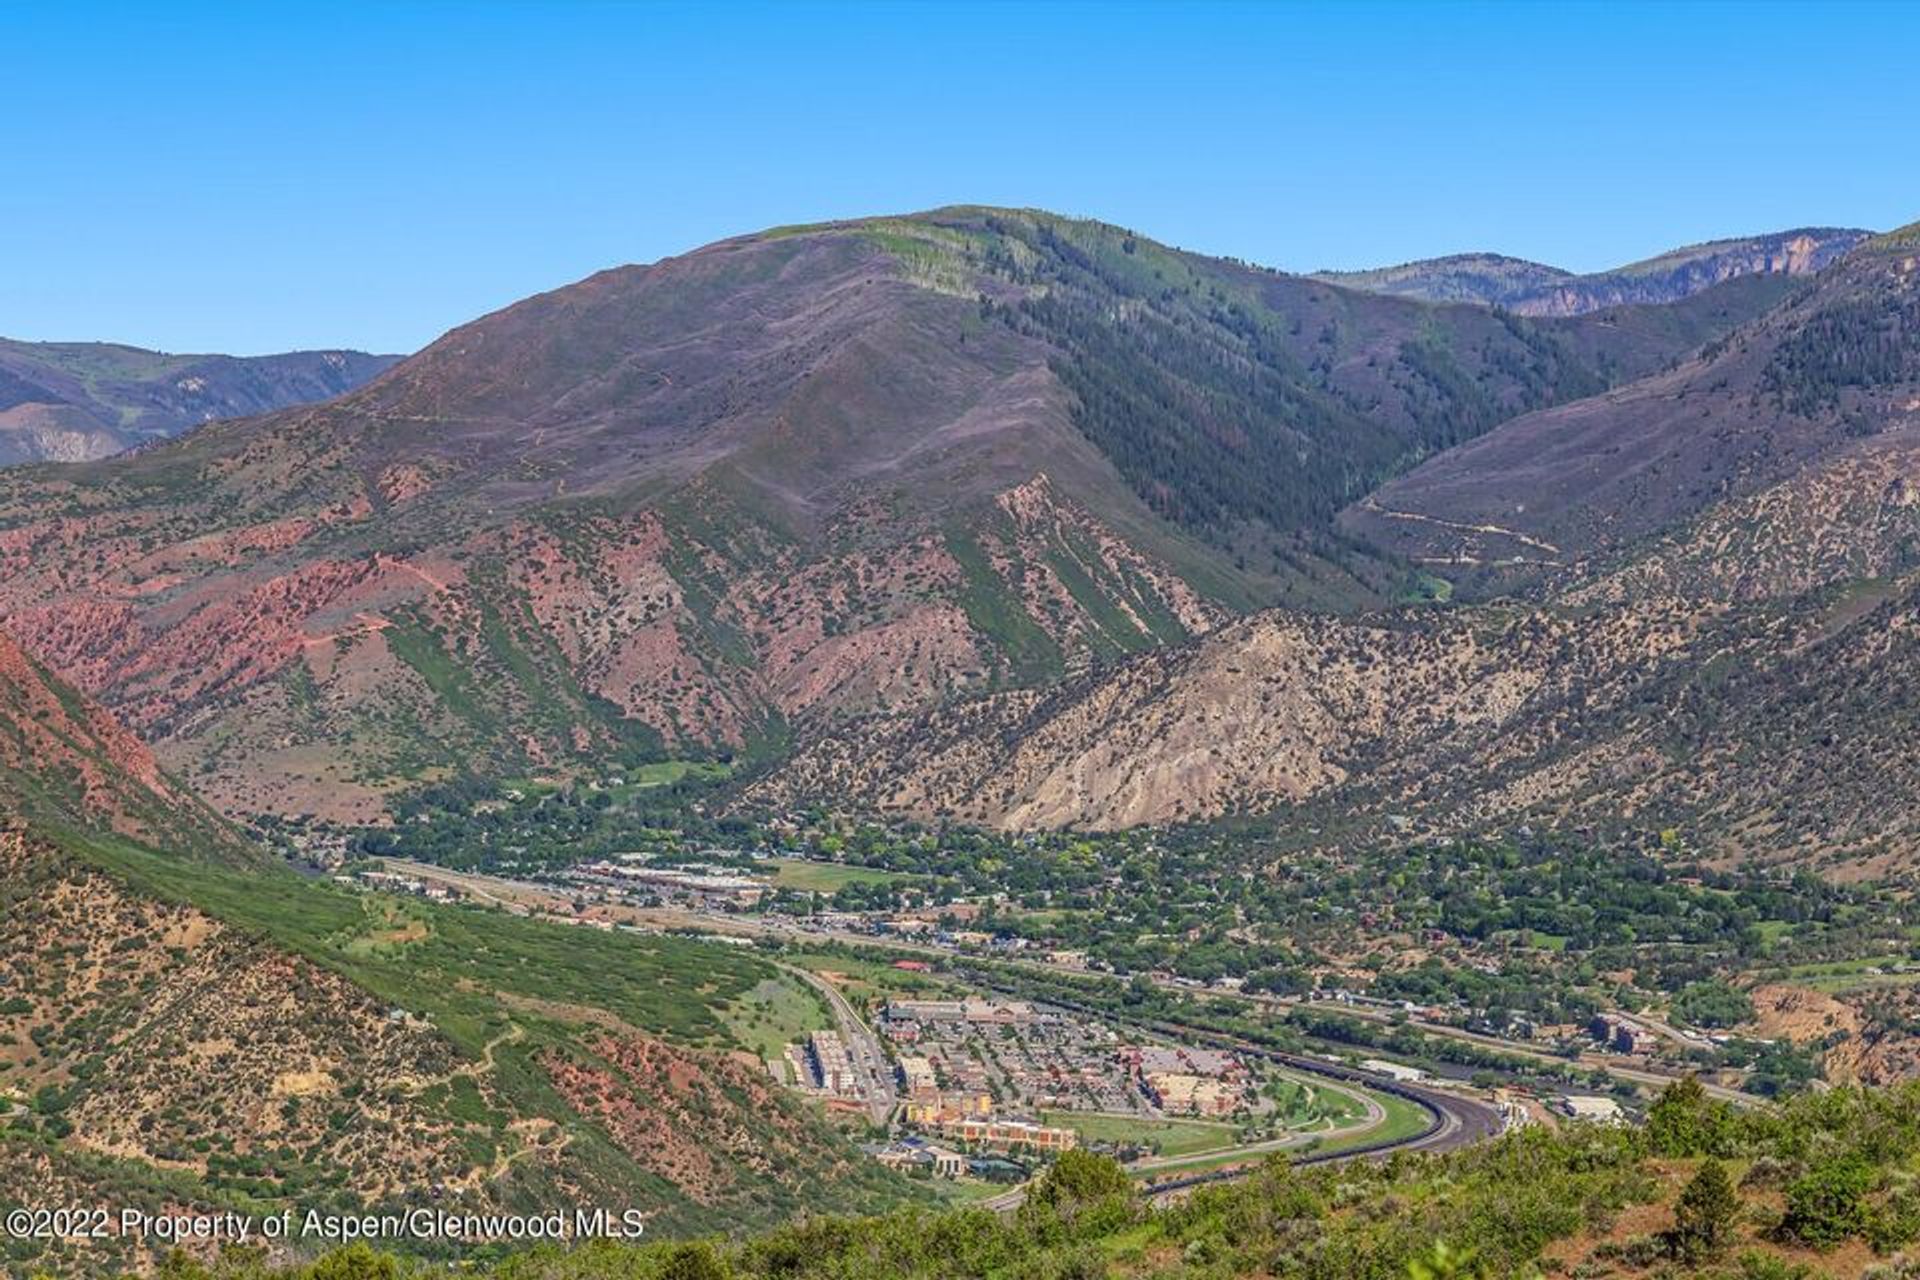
979	516
1683	601
75	401
725	501
1533	289
992	515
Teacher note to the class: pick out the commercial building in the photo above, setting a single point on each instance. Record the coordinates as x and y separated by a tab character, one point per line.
1180	1094
1008	1135
1598	1110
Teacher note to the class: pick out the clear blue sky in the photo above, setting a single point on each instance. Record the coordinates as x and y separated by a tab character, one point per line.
257	177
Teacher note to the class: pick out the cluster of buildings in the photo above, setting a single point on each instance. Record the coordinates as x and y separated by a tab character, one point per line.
411	886
904	1019
702	887
909	1155
1182	1081
973	1071
978	1072
991	1134
1020	1057
1622	1034
921	1155
823	1065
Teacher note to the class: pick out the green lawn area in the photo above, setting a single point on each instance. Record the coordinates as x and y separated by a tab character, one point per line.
665	772
1306	1104
1168	1137
1851	975
805	876
962	1192
777	1011
1404	1120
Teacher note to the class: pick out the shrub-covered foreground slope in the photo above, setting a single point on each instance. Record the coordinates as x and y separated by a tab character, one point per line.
183	1023
1821	1188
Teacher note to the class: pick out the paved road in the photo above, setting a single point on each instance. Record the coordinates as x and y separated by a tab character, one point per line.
863	1046
1599	1062
1455	1120
496	889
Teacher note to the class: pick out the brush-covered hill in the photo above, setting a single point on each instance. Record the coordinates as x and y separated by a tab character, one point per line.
1721	570
734	497
65	762
1775	731
75	401
1816	1189
186	1025
1828	377
1532	289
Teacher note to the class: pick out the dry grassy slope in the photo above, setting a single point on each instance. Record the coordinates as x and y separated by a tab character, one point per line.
1813	380
1853	516
740	494
1273	711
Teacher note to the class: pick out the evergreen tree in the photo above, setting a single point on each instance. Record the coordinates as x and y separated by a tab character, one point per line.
1704	1219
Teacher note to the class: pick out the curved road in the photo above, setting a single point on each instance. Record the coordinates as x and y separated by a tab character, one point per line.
1455	1121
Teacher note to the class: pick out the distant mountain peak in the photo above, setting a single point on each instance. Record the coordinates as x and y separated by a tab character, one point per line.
81	401
1530	288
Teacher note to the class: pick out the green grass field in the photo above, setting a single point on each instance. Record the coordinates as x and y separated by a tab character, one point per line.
1167	1137
666	772
777	1011
864	981
1404	1120
1839	976
805	876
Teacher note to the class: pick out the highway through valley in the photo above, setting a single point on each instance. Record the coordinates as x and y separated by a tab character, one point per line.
1456	1120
